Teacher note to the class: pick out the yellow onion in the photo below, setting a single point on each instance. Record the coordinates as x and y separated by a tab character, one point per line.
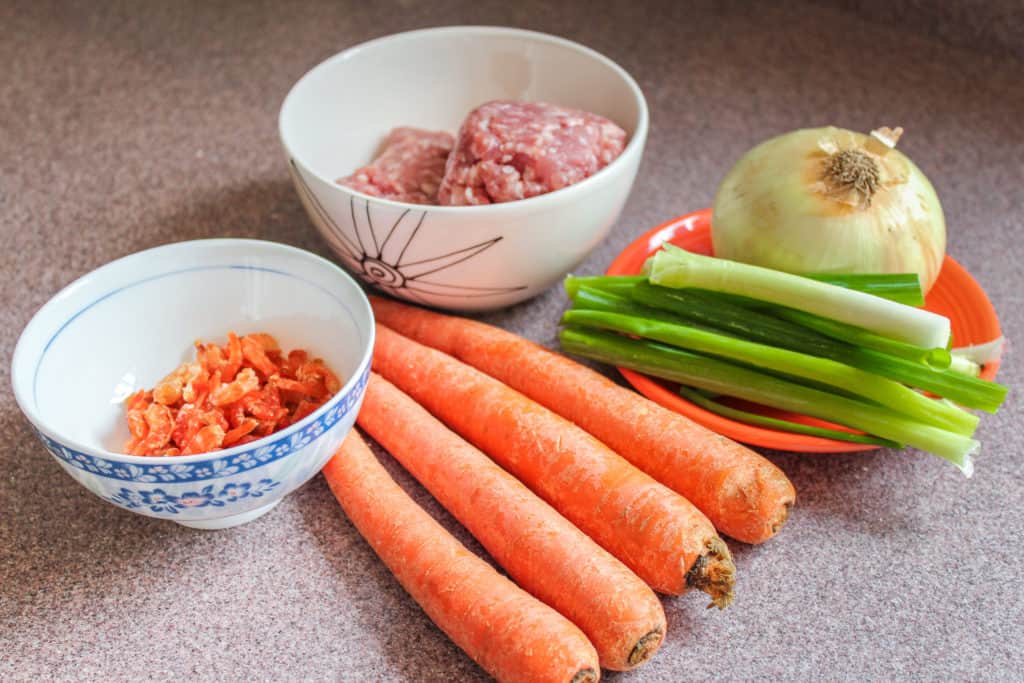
828	200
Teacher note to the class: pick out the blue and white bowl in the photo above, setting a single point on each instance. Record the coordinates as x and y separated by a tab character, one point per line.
126	325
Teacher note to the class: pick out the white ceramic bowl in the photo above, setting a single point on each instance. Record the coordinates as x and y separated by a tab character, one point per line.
126	325
466	257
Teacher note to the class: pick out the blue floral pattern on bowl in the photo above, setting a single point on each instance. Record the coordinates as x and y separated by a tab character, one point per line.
211	469
158	500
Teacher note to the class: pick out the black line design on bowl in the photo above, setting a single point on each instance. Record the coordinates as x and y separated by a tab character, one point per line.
382	263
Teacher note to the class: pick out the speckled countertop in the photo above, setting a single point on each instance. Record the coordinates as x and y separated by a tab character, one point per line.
127	125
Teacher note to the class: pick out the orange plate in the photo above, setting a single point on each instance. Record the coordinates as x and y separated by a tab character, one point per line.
955	295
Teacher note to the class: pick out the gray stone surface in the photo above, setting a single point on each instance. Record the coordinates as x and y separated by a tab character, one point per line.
993	27
126	125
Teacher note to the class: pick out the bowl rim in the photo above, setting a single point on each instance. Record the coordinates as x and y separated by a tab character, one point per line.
636	140
21	357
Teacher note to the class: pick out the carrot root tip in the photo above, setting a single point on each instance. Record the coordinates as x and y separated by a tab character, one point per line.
646	647
714	573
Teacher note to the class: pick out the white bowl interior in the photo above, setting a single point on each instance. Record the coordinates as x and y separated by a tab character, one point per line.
125	326
335	117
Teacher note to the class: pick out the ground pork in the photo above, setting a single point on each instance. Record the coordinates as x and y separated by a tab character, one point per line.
513	150
409	167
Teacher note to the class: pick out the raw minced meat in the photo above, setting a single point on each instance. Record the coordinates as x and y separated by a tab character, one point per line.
513	150
409	167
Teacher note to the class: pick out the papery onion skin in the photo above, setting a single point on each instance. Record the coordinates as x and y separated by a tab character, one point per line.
777	208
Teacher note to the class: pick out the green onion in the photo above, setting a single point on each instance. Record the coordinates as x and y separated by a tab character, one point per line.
710	309
707	404
904	288
590	299
937	358
725	378
609	283
969	392
705	308
674	267
776	360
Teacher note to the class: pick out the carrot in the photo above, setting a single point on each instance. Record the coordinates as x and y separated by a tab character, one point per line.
509	633
654	531
742	493
541	550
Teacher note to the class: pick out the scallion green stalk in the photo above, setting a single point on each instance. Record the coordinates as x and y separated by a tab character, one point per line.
772	359
674	267
904	288
970	392
938	358
717	408
732	380
608	283
709	310
590	299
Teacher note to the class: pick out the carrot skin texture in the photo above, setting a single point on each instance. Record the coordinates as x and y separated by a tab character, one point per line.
509	633
743	493
541	550
654	531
